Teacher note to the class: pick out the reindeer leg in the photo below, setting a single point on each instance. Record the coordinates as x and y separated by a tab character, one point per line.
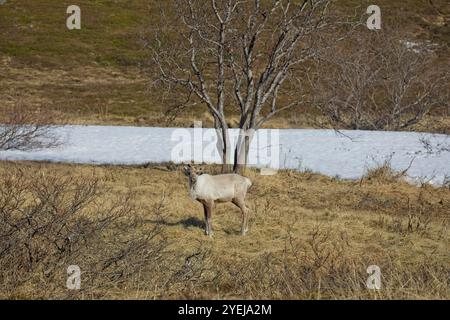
246	220
241	205
205	210
209	207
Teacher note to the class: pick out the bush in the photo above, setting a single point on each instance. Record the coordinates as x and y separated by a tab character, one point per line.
25	129
50	222
381	84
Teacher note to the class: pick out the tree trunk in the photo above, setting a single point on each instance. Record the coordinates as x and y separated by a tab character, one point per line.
223	142
226	149
241	153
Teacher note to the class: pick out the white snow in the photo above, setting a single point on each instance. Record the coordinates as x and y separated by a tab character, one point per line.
347	154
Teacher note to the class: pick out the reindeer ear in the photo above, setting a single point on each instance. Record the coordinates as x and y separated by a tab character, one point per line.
186	170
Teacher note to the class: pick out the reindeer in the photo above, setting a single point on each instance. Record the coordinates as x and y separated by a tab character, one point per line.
208	189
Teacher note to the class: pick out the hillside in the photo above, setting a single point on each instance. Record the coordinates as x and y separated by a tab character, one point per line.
93	75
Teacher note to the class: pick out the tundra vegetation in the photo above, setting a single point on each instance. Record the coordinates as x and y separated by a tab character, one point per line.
379	81
21	129
136	233
94	75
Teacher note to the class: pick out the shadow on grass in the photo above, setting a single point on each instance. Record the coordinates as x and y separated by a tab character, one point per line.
186	223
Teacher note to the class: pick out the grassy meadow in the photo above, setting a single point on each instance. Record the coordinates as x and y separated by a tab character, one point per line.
134	230
311	236
98	75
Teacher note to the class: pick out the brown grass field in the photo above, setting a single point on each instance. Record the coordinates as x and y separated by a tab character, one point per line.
311	236
134	231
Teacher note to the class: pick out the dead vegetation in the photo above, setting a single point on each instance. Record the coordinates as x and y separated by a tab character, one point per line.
374	81
384	173
46	226
135	233
25	129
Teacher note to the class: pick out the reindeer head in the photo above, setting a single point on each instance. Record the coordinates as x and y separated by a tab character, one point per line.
192	171
188	170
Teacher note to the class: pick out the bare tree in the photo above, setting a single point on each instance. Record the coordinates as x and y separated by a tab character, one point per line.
239	55
24	129
379	81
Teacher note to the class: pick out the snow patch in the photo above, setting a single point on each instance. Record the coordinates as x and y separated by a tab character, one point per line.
348	154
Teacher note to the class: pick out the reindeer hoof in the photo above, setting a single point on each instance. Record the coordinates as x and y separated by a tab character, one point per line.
209	233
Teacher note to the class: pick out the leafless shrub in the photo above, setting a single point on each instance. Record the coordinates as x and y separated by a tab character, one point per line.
326	267
435	147
23	129
384	173
446	183
50	222
197	276
380	84
415	222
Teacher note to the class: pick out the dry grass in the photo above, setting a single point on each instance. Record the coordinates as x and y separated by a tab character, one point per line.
93	76
311	237
384	173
